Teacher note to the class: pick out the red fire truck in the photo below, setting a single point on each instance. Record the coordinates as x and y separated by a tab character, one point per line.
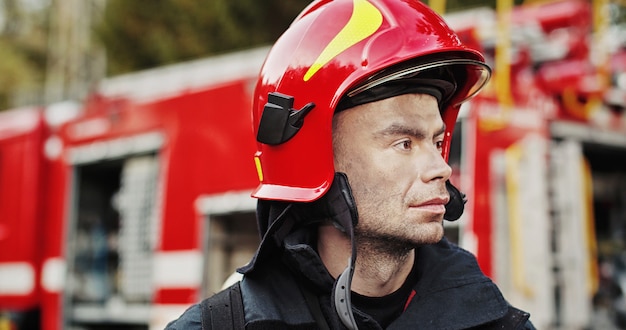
125	209
136	207
31	212
543	159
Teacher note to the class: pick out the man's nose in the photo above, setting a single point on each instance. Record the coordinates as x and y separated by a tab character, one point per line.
434	167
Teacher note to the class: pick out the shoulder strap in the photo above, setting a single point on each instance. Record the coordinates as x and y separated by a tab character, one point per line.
224	310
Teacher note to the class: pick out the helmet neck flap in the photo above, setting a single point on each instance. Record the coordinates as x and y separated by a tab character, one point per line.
277	219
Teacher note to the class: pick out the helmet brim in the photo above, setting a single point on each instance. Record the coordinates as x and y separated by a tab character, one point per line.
451	81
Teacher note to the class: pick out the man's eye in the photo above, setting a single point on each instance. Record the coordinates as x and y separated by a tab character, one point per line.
439	145
405	145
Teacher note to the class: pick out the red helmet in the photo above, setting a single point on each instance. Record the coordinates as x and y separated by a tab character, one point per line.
337	53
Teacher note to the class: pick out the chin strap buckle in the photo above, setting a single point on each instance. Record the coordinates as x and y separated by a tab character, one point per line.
342	296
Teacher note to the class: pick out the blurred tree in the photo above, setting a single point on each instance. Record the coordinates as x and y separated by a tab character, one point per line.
140	34
16	70
146	33
22	51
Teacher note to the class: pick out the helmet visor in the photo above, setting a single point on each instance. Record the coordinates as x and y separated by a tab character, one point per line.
451	81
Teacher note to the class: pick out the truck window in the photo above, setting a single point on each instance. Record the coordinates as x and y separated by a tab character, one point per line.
112	241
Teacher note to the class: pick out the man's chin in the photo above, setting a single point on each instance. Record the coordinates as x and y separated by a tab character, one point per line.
431	233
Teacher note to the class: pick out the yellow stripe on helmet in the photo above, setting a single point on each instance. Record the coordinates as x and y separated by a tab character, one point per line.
365	20
259	169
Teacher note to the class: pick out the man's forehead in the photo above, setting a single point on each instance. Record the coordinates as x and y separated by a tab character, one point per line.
410	111
417	103
421	107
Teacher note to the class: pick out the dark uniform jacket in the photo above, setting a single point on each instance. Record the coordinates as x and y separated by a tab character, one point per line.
451	293
286	278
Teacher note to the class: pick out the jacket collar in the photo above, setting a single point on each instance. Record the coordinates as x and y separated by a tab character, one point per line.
452	291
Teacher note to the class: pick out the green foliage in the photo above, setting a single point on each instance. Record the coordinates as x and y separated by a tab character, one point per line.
16	71
141	34
22	51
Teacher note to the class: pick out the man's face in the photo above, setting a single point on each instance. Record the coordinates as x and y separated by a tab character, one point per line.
391	152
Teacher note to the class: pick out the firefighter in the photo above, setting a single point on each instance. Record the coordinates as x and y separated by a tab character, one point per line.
353	113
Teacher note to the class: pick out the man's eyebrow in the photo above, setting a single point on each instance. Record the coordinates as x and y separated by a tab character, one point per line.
398	129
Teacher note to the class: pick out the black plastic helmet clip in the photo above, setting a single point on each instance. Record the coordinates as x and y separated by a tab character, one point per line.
280	122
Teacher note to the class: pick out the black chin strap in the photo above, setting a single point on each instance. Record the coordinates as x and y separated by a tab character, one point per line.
342	291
